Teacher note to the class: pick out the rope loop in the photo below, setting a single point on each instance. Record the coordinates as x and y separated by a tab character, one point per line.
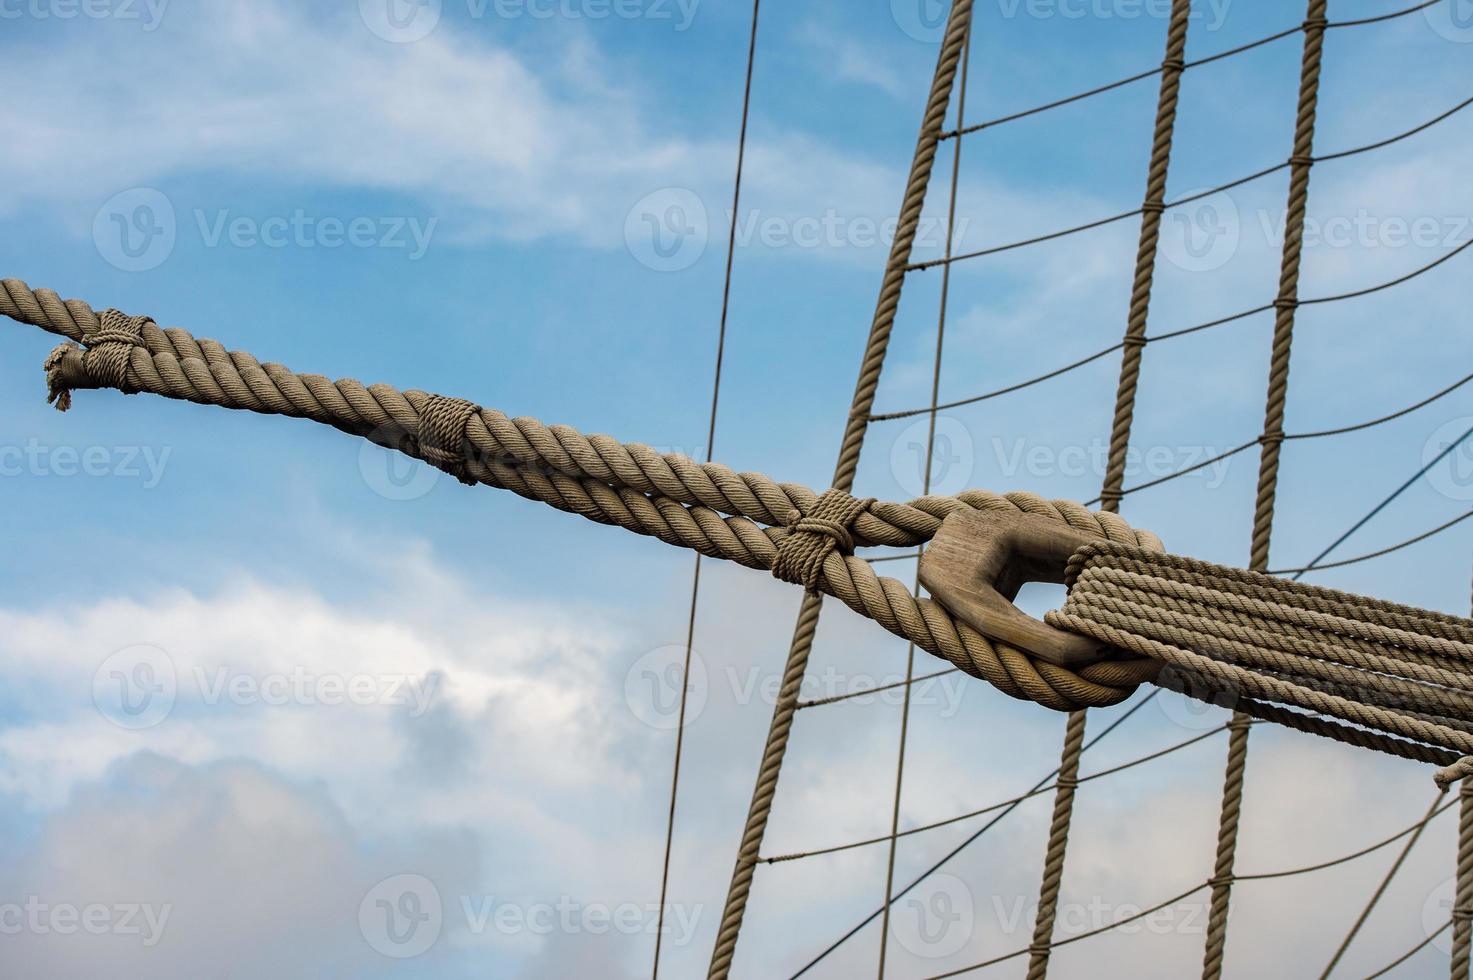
442	434
1301	160
1174	64
812	537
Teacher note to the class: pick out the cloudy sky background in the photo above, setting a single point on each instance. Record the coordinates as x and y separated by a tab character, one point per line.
510	740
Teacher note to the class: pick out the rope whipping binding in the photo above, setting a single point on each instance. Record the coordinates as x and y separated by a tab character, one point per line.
695	584
958	26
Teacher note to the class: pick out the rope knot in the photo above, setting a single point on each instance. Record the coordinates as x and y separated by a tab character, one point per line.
1153	207
106	357
1174	64
1301	160
1272	438
442	434
812	537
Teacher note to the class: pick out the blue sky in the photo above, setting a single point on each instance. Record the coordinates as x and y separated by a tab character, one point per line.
468	211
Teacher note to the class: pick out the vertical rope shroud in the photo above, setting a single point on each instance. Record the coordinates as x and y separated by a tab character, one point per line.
1285	306
1462	911
1172	65
910	648
957	26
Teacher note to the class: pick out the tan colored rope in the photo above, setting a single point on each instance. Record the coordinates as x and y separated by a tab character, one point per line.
1134	342
605	481
958	26
1462	913
1394	671
1301	159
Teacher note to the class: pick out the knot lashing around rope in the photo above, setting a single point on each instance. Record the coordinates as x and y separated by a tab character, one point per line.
107	354
812	537
442	441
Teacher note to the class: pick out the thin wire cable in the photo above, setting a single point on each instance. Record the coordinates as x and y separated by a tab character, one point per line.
994	807
1386	502
1324	433
695	583
848	695
856	427
1381	889
1410	953
977	834
1173	334
910	648
1377	554
1230	185
1344	859
1152	72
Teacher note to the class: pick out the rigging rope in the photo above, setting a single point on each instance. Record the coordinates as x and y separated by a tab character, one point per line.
1285	304
910	649
695	584
958	25
1150	73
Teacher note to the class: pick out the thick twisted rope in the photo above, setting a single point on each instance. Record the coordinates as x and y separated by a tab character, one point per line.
958	26
1394	671
1133	344
1285	305
594	476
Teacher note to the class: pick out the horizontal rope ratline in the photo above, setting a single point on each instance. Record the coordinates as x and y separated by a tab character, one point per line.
1230	185
1153	72
1174	334
1187	625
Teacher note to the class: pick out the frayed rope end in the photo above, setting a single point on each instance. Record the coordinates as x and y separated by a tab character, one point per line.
57	392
